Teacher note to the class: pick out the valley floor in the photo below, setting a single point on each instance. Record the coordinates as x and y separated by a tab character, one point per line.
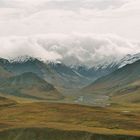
68	121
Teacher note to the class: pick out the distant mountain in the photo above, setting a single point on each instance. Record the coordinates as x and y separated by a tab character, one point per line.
29	85
122	84
98	71
63	76
58	74
4	73
18	67
66	77
94	73
129	59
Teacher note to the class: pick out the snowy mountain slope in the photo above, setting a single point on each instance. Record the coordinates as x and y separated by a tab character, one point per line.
64	76
58	74
123	84
129	59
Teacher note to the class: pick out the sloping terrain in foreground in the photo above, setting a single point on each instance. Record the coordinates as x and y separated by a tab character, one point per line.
55	134
53	121
5	102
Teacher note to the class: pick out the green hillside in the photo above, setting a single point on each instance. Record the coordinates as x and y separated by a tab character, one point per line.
29	85
123	83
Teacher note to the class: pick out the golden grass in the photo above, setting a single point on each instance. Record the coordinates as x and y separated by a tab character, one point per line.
111	120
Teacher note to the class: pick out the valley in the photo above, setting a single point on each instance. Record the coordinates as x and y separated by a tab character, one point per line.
41	100
69	69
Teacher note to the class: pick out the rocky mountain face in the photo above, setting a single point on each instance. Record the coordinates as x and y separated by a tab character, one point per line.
122	84
63	77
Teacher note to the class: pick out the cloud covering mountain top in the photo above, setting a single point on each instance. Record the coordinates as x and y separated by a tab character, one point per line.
72	49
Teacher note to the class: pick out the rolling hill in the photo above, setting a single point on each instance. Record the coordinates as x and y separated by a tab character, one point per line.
29	85
55	121
5	102
60	75
121	85
70	79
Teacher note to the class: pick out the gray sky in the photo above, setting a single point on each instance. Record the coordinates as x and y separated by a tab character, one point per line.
87	32
30	17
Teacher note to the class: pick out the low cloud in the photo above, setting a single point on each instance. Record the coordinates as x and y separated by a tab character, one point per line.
72	49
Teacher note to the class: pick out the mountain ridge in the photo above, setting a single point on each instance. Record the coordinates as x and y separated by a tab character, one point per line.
123	82
29	85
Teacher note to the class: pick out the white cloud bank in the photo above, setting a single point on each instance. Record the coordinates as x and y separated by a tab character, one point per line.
73	49
60	19
29	17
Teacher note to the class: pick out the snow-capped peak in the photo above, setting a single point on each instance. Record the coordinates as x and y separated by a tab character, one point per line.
129	59
112	62
22	59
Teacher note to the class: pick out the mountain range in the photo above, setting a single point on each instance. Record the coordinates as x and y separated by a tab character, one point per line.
120	85
28	77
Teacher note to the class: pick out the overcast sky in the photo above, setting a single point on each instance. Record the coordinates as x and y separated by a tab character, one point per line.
29	17
87	32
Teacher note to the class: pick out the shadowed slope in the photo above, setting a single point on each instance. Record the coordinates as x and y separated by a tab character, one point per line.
124	82
54	134
29	85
